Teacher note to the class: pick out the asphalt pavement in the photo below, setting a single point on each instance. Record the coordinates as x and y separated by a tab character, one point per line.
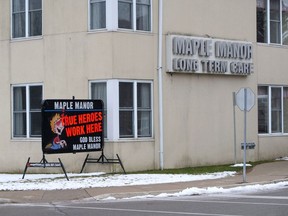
261	174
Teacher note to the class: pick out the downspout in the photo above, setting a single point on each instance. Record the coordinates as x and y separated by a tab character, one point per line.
160	93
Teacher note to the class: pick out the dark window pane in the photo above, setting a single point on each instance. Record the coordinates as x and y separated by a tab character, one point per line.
35	122
125	14
276	110
35	110
35	23
18	5
275	32
285	109
275	10
263	108
126	110
35	4
261	21
35	97
125	95
275	36
18	25
126	124
19	98
285	22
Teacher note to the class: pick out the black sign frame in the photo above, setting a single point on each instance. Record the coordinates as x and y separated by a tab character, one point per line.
72	126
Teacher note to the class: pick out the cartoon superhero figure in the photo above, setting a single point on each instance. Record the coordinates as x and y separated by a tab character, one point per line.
57	127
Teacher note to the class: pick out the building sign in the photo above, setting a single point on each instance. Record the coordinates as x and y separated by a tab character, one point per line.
70	126
199	55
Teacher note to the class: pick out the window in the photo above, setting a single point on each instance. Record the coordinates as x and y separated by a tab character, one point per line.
130	18
143	15
144	111
26	18
27	111
123	14
135	109
272	109
128	107
272	21
126	110
98	91
97	14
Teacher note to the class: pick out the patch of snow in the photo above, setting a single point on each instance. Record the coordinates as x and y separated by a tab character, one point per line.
77	181
217	190
240	165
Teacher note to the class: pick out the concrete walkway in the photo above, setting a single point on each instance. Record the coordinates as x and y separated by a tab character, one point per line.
261	174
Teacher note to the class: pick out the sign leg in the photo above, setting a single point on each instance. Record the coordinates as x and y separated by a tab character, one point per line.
85	161
26	167
120	163
63	168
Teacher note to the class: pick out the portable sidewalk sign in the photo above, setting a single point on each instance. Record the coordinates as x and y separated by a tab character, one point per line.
245	100
71	126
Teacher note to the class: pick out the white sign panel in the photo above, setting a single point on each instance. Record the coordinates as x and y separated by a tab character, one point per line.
198	55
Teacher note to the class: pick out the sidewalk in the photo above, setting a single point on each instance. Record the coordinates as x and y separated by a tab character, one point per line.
261	174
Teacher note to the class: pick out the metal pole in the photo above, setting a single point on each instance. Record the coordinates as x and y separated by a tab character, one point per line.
234	121
245	128
160	93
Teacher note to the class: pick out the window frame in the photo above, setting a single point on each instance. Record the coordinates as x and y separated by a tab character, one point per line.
90	2
270	110
27	112
105	105
268	24
27	22
112	17
113	109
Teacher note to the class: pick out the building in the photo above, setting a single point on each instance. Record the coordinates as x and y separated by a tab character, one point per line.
166	71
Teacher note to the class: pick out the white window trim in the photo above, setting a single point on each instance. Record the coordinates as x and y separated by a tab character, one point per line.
113	133
270	133
268	20
113	103
270	110
135	108
135	17
26	23
112	17
27	110
268	25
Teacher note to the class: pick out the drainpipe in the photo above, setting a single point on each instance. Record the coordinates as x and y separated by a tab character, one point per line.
160	93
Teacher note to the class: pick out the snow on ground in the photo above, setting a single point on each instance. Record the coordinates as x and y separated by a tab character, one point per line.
240	165
282	158
215	190
88	180
77	181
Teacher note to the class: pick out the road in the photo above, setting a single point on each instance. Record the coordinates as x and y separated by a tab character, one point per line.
272	203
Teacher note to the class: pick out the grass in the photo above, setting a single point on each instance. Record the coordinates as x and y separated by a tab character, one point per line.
202	169
194	170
